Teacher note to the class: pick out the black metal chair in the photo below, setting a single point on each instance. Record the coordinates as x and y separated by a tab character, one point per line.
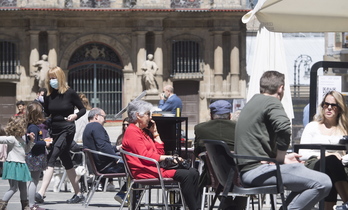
98	175
226	170
165	184
214	185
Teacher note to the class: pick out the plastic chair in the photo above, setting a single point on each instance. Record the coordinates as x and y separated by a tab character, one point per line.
226	170
98	175
214	185
165	184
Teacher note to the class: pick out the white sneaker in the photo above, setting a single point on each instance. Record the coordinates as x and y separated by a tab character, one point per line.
110	187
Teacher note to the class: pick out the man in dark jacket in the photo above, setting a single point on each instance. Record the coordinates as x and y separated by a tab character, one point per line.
220	127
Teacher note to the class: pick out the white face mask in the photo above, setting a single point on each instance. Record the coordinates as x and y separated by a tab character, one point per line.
54	83
41	99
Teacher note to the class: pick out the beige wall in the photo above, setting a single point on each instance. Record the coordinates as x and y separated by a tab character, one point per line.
124	32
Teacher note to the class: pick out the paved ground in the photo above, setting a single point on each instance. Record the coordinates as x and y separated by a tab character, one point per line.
57	200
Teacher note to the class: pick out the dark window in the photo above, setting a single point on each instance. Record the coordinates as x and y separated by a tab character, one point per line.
43	43
8	57
150	43
185	57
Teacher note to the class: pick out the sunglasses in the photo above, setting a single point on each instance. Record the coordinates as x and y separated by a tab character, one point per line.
325	105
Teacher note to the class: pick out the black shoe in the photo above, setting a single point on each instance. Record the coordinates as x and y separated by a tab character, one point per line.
76	199
39	198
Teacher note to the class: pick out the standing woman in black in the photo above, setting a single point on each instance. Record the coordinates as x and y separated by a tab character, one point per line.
59	105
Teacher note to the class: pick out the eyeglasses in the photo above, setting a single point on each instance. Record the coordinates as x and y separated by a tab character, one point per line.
326	105
148	113
125	124
102	115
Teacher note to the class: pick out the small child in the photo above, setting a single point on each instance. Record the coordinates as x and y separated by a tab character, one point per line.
37	158
15	168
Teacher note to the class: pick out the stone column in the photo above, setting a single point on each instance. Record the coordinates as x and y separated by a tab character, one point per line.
141	57
34	50
235	63
53	48
158	57
218	62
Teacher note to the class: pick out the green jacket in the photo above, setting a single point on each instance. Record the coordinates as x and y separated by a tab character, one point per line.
262	128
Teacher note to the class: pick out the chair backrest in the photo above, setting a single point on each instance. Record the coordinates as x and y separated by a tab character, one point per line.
90	159
214	183
221	160
126	166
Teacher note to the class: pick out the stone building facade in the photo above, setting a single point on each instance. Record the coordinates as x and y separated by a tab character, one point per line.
198	46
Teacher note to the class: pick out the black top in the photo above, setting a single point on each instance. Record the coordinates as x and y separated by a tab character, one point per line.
96	138
62	105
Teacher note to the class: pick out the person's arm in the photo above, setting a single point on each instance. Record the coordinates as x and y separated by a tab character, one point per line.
76	101
284	158
308	137
102	141
280	124
38	142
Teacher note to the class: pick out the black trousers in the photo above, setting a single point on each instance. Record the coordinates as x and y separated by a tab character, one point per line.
335	170
189	186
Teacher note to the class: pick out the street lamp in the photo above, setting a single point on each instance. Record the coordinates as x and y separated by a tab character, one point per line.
305	62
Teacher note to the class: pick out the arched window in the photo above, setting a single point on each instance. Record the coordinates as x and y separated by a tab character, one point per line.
96	70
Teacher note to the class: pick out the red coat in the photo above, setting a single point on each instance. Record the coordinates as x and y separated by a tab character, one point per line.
137	142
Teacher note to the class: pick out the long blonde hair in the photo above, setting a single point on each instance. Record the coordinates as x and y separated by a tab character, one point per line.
342	117
58	73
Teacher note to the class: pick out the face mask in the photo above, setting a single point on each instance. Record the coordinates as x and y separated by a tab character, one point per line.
41	99
54	83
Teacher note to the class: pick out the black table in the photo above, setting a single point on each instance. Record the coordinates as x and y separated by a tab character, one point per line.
322	148
169	129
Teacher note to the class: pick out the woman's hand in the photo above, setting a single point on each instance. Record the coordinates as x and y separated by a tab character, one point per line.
71	117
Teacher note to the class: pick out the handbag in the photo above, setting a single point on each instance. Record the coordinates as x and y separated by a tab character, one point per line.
175	163
3	152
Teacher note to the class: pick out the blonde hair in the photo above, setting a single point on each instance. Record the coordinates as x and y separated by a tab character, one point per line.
17	126
58	73
85	101
342	118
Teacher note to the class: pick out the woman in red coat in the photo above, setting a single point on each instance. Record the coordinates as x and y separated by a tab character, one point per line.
136	140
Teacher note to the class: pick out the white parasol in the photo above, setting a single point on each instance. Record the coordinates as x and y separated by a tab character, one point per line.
269	54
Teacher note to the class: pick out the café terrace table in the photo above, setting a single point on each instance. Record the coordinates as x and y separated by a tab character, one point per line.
170	130
322	147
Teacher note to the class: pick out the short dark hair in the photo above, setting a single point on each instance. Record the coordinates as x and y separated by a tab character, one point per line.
42	90
20	103
271	81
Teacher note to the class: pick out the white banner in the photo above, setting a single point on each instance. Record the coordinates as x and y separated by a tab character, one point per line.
326	84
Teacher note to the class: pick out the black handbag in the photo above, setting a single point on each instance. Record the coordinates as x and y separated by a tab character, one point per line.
175	163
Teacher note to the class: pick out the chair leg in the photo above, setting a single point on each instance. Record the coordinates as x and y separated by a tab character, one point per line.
248	203
91	192
106	184
273	202
127	194
203	198
62	180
